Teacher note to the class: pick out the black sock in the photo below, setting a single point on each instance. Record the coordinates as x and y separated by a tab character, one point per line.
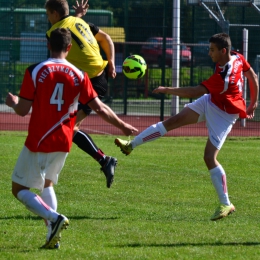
85	143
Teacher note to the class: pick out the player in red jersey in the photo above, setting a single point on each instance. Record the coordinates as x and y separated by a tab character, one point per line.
85	54
52	90
220	105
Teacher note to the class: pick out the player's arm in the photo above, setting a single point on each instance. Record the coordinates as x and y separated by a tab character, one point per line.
254	92
108	47
188	92
81	9
107	114
21	106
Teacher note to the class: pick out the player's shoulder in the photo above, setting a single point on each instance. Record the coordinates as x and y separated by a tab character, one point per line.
78	71
66	22
33	66
237	55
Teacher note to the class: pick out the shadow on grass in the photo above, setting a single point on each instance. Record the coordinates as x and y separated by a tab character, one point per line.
69	217
192	244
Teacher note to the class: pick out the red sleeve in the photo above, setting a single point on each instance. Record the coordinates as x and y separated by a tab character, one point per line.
27	89
246	65
87	92
215	84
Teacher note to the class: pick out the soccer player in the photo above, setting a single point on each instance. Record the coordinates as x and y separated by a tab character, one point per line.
52	90
220	105
85	55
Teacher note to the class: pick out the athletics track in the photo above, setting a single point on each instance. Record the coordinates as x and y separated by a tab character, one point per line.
93	124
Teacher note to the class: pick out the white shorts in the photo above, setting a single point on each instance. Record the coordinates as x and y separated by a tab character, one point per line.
219	123
32	169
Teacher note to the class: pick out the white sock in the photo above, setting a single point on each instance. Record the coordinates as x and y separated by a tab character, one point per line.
35	204
218	178
49	197
151	133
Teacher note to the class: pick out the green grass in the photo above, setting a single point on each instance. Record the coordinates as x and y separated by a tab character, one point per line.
158	208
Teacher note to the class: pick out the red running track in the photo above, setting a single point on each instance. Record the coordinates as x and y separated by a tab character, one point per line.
93	124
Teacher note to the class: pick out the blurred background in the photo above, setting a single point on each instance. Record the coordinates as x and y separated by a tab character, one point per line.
171	35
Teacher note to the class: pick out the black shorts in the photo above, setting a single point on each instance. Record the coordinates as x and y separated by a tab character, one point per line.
100	84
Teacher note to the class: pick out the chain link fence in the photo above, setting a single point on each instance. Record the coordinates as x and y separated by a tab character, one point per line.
146	28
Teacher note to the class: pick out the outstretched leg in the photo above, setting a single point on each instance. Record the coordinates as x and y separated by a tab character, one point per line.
185	117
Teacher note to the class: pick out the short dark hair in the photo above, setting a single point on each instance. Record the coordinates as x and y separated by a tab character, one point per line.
60	6
221	40
59	40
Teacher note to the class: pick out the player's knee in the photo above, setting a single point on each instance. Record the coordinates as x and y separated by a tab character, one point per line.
14	192
209	160
16	188
48	183
76	128
206	158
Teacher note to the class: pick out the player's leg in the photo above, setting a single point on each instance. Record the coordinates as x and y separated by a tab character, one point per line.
33	202
85	142
36	205
218	178
29	172
217	173
49	197
219	124
153	132
53	167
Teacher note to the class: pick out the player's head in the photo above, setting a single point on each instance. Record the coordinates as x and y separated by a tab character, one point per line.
60	40
221	41
56	9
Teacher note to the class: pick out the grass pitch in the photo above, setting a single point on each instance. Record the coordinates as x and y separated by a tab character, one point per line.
158	207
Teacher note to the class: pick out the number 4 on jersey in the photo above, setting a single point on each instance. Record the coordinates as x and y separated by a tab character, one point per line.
56	97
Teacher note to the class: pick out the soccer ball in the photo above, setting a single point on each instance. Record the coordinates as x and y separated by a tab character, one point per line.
134	67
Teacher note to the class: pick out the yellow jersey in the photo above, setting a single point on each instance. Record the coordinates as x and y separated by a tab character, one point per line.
85	52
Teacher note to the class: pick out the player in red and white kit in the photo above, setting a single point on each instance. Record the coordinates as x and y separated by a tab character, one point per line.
220	105
52	90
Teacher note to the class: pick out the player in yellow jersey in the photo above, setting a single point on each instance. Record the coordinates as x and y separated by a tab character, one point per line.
85	54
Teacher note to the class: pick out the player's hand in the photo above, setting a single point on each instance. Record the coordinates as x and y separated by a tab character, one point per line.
159	90
81	9
251	110
11	100
111	70
129	130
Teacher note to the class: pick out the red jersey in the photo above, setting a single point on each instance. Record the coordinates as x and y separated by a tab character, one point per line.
226	85
54	86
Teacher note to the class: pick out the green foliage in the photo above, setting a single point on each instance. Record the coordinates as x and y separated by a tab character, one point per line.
188	77
158	207
11	78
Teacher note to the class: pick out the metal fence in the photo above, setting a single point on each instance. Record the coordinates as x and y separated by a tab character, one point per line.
136	27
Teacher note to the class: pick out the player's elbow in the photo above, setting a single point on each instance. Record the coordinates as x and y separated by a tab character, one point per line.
195	94
100	110
198	91
256	78
21	112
